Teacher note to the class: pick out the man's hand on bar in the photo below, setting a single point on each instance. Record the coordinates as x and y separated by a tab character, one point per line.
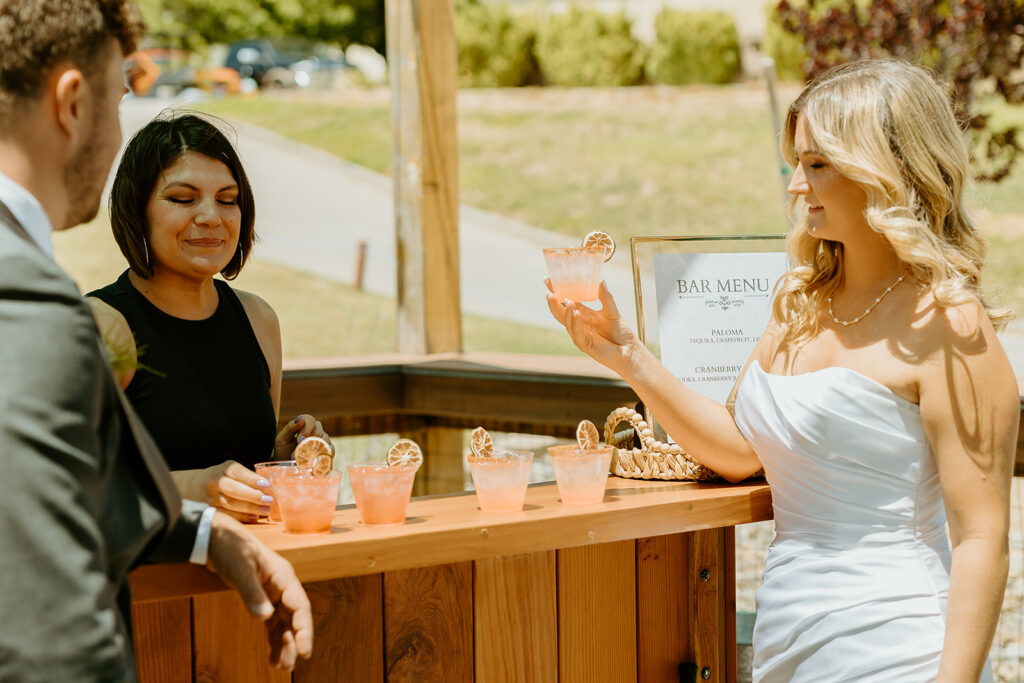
268	586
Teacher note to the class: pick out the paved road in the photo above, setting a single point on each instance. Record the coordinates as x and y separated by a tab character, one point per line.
313	210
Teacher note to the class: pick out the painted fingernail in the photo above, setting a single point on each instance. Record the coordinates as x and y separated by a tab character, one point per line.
264	509
263	484
298	419
267	499
299	438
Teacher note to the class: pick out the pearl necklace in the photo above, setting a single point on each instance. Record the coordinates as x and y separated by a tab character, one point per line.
870	308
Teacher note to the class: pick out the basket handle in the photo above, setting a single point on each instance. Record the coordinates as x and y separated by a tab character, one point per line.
648	443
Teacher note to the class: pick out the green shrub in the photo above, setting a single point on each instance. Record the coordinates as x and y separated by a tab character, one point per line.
785	48
694	47
587	47
495	46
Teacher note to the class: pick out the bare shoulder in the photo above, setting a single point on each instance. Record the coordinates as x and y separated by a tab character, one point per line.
261	314
267	329
962	329
770	344
960	352
111	323
122	352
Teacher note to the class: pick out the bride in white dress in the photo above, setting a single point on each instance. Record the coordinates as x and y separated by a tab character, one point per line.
878	401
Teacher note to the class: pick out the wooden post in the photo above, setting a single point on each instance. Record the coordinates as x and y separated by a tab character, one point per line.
423	66
708	604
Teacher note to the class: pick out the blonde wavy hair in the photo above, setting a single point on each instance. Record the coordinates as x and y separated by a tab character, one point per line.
888	126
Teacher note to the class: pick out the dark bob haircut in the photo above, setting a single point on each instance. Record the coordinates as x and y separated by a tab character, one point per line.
156	146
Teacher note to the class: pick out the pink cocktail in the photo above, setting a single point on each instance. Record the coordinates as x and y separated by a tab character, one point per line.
382	493
501	481
581	474
575	272
307	503
264	469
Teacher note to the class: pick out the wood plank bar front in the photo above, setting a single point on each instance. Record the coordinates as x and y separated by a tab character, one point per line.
636	588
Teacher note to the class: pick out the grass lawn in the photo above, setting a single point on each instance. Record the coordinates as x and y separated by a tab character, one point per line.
353	323
632	161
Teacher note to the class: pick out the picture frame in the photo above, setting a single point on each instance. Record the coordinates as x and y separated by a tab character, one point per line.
702	303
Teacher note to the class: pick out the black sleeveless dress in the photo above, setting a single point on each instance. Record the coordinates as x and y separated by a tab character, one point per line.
203	386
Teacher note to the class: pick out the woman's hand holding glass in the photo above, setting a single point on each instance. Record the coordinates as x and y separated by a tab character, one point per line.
602	334
229	487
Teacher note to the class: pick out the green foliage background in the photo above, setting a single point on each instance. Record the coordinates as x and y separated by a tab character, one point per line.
786	49
586	47
694	47
496	47
194	24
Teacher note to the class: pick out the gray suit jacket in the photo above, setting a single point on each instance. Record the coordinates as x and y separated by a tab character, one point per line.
84	493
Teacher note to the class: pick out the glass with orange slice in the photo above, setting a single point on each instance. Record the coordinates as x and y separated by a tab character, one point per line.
575	272
307	501
305	490
382	492
581	469
266	470
499	477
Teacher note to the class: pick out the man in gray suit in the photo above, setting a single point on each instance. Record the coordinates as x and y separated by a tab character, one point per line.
85	495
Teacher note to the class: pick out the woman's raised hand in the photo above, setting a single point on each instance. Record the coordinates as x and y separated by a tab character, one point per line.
295	431
602	334
229	487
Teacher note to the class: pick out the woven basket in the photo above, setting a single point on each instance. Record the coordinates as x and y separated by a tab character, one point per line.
653	459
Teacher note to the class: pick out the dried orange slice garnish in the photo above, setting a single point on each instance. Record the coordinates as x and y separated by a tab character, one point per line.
405	452
587	436
599	238
480	443
323	465
307	451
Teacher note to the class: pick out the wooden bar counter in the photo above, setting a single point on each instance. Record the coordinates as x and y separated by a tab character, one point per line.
637	588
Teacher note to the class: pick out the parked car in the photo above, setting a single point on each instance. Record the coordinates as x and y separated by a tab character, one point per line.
167	71
285	63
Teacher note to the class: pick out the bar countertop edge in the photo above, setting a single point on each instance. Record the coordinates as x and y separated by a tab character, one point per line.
451	528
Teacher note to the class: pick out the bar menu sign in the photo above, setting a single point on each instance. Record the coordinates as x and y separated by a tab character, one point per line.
712	309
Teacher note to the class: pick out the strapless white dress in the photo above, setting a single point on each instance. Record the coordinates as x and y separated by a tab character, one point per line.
857	577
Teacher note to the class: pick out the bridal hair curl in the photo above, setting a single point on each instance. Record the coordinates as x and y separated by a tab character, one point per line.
888	126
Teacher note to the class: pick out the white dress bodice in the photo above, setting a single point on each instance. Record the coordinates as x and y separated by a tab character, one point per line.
857	577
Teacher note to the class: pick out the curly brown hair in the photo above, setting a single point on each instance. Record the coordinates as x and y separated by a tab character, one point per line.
37	35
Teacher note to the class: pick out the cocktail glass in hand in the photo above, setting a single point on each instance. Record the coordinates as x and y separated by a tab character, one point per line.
382	493
581	474
575	272
307	503
264	469
500	481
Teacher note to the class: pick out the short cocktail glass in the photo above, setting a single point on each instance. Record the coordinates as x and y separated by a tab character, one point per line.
575	272
500	481
382	493
307	503
264	469
581	474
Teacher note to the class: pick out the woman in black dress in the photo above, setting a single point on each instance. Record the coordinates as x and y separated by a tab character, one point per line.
203	360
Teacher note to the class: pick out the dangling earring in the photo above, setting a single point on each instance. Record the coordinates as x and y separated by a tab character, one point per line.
145	248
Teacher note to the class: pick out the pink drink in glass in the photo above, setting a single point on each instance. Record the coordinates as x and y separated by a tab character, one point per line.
581	474
307	503
264	469
382	493
575	272
500	481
